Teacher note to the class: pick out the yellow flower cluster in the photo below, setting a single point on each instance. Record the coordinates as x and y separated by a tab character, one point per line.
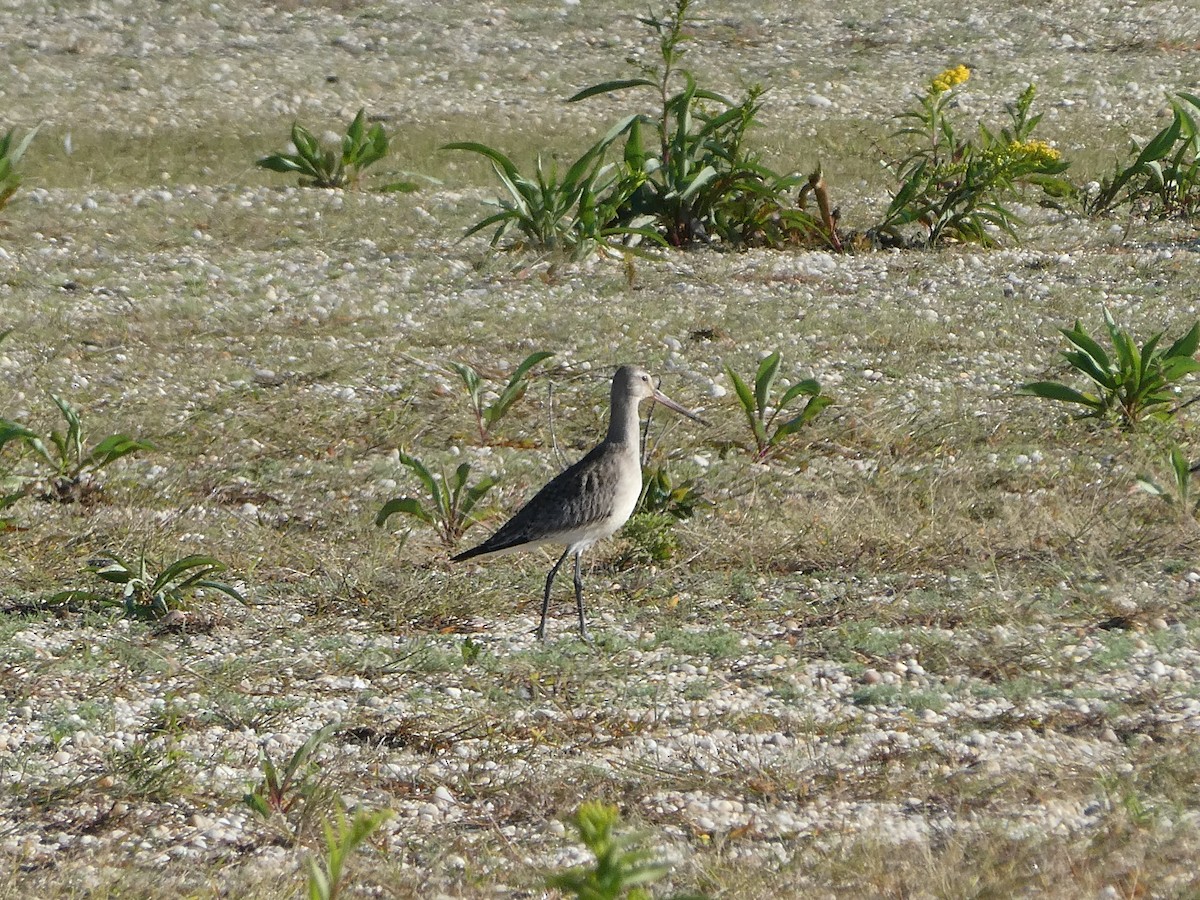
949	79
1037	151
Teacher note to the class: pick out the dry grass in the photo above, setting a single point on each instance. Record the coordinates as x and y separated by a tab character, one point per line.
931	515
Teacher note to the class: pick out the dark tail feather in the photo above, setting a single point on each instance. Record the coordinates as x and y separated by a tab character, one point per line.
496	543
468	554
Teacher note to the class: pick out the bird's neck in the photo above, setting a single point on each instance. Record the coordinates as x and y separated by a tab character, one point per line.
623	424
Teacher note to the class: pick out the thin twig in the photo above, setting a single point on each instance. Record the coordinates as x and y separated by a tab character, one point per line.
558	454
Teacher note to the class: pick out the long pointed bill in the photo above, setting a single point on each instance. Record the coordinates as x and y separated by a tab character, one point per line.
660	397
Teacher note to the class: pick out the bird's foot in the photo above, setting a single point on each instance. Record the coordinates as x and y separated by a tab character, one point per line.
586	637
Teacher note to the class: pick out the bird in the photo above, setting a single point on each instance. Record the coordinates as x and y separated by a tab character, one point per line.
590	500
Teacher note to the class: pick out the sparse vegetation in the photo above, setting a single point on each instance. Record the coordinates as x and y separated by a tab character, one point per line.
1163	178
761	413
840	681
1132	383
488	414
451	501
149	594
328	167
963	188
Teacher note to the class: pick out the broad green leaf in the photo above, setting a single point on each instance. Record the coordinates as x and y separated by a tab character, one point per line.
407	505
113	448
1088	345
1084	363
746	397
1052	390
703	177
278	162
515	388
1186	345
426	478
811	410
475	494
1160	145
764	378
10	431
808	386
171	574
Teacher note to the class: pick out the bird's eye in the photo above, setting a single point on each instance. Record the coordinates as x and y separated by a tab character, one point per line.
646	378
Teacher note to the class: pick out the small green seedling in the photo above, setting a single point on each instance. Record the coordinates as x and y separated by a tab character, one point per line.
451	502
327	167
10	155
281	792
621	870
756	403
327	877
1132	383
486	416
1180	494
146	595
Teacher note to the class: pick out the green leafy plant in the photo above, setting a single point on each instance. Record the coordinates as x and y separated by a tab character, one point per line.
488	414
292	789
471	650
1163	177
621	869
10	155
574	214
1130	383
145	594
959	187
451	502
651	538
1179	494
327	877
756	403
697	179
72	462
329	167
660	494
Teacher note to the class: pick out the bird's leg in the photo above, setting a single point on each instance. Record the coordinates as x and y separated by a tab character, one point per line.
541	632
583	632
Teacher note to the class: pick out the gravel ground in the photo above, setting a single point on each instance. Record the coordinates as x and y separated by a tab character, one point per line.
827	668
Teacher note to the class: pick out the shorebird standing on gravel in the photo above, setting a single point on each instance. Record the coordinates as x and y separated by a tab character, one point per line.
591	499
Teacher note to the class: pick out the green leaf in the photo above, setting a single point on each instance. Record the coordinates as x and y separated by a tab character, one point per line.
181	565
10	431
764	378
1183	473
607	87
808	386
1160	145
422	473
113	448
1052	390
1186	345
811	410
1088	345
515	387
227	589
407	505
278	162
475	494
746	397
